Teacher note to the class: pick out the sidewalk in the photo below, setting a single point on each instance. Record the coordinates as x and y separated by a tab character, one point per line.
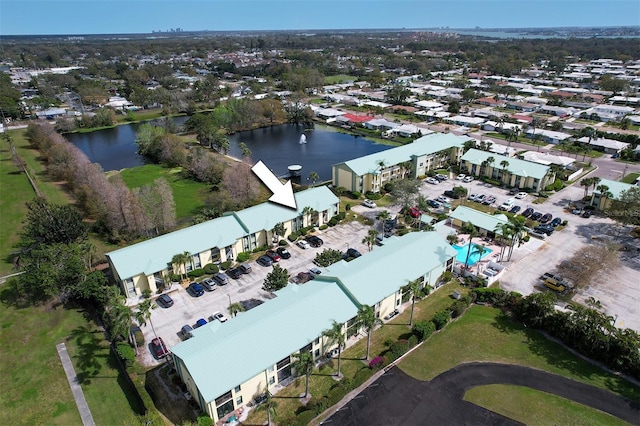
78	395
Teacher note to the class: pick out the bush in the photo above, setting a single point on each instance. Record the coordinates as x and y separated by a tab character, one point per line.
333	221
457	308
195	273
210	268
146	293
174	278
565	222
441	318
388	187
225	265
283	243
399	348
205	421
355	195
372	195
126	353
423	329
377	362
293	236
347	207
243	257
557	185
259	249
323	226
488	295
341	215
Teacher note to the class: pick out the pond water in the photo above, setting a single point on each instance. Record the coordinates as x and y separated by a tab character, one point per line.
278	147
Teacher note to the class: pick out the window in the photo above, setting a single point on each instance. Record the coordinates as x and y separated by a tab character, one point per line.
222	399
317	341
283	363
196	260
131	288
306	348
272	380
316	354
238	401
237	389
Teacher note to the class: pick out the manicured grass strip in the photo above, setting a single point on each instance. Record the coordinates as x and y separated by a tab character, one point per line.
188	194
631	177
534	407
484	334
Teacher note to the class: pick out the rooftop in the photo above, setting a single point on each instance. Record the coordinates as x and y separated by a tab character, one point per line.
516	166
479	219
615	187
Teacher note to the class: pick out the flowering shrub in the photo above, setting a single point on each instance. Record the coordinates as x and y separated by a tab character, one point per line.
376	362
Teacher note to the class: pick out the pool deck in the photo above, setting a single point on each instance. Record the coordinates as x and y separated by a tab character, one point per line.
482	263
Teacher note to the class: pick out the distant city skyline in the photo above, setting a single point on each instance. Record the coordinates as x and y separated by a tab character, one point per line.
55	17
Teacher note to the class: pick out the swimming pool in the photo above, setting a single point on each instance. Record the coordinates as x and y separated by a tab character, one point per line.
475	253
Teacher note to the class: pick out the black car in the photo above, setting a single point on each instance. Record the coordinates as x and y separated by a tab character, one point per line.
514	209
555	222
513	191
234	273
265	260
164	300
195	289
314	241
536	216
546	229
527	212
586	214
284	253
352	253
546	218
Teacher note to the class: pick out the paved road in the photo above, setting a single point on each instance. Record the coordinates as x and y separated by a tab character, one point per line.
78	395
398	399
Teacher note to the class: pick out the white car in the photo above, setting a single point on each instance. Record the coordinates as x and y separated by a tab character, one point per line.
467	179
432	181
369	203
303	244
521	195
219	316
461	176
443	199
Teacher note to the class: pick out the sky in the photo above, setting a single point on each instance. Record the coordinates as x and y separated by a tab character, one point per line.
38	17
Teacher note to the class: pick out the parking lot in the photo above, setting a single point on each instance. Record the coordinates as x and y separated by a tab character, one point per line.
187	309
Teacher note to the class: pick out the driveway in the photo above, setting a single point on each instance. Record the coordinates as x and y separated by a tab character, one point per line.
398	399
187	309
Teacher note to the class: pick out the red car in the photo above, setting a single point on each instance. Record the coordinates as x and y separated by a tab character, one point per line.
273	255
159	349
414	212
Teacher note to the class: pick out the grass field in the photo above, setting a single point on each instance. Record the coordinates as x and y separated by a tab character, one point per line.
188	194
483	334
533	407
631	177
34	386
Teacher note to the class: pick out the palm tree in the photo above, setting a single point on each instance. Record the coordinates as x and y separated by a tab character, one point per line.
181	260
144	313
335	336
604	194
313	177
304	364
415	287
517	226
384	215
370	239
586	182
278	231
452	238
236	308
481	251
513	135
595	181
504	230
366	318
504	164
269	405
589	132
472	234
119	321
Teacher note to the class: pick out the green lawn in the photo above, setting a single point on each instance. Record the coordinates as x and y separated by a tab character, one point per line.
533	407
188	194
34	386
483	334
631	177
340	78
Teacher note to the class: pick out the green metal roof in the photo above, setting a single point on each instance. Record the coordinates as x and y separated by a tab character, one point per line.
479	219
222	356
153	255
516	166
615	187
380	273
425	145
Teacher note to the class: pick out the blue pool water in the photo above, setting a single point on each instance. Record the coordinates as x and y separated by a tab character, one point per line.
475	253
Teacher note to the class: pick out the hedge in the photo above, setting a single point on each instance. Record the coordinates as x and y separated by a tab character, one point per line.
126	353
243	257
423	329
211	269
441	318
225	265
196	273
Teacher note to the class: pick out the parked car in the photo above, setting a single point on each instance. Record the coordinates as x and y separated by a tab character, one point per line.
577	211
315	271
218	316
432	181
473	197
537	234
555	285
512	191
442	199
527	212
221	278
165	301
480	198
314	241
489	200
468	179
536	216
514	209
303	244
441	177
353	253
159	349
234	273
449	193
209	284
586	214
264	260
556	222
415	212
201	322
547	229
507	204
284	253
546	218
195	290
186	331
461	176
246	269
273	255
369	203
521	195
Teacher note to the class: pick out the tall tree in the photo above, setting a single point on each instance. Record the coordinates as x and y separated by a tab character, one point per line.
415	287
303	365
367	320
473	232
276	279
313	177
335	336
144	313
181	260
48	223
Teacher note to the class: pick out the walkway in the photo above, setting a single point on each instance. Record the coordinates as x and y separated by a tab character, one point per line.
398	399
78	395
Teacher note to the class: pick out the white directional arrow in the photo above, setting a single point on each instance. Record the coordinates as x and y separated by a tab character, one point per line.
282	193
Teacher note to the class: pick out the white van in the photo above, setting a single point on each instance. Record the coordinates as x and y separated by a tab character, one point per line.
507	204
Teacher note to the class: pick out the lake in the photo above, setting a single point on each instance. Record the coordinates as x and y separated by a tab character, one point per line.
277	146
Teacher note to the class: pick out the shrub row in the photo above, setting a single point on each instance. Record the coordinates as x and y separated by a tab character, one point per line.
198	272
302	231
